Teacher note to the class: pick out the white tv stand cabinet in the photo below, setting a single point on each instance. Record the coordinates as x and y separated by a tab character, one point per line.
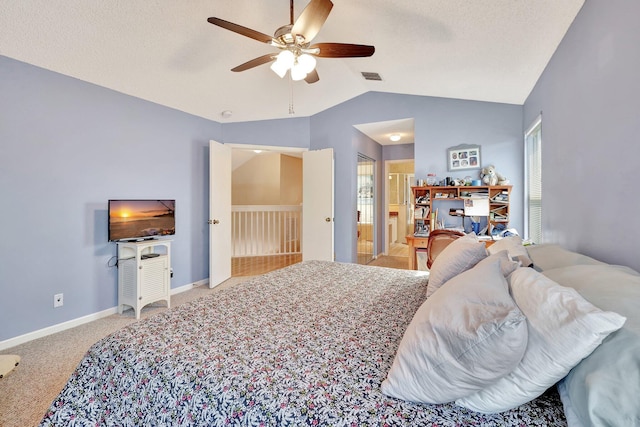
144	270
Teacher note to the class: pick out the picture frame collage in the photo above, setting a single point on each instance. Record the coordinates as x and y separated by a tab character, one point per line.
463	157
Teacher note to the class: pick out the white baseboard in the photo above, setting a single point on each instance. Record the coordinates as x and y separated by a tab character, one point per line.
12	342
188	287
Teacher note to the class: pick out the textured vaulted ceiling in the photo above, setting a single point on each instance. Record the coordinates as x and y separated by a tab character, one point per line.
165	51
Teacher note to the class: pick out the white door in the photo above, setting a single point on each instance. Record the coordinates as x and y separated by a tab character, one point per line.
317	205
219	213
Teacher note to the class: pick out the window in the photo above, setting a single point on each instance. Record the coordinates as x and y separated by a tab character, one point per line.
533	181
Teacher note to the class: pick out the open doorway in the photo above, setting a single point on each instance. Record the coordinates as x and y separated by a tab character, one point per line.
394	217
266	193
400	178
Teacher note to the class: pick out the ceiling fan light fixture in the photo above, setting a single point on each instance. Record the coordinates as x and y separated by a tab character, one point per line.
279	68
286	58
307	62
395	137
298	73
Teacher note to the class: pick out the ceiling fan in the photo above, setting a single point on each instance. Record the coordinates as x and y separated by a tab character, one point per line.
297	54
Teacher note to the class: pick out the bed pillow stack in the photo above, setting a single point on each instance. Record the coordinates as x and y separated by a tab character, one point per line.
492	344
463	338
563	329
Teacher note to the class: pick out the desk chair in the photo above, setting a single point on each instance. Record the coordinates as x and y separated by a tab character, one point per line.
438	240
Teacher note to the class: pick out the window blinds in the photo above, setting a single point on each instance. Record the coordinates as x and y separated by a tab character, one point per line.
533	181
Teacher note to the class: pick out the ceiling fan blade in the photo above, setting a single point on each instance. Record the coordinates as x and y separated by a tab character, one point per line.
254	62
312	77
311	19
248	32
342	50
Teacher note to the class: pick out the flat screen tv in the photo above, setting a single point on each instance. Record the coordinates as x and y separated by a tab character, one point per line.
141	219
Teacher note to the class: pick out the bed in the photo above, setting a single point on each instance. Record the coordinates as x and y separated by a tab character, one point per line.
306	345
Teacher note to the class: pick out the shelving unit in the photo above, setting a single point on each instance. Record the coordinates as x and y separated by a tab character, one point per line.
426	201
144	271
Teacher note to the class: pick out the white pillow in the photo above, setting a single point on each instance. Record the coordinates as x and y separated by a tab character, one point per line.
465	337
459	256
507	265
563	329
512	244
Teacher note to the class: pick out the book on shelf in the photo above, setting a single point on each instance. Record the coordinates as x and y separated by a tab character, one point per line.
421	212
498	217
499	210
477	194
501	197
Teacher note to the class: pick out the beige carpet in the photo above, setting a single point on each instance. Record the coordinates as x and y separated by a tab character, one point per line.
47	363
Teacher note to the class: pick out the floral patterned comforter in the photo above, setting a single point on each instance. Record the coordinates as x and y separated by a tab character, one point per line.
306	345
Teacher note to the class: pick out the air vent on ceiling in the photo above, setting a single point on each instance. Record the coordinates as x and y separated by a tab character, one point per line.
371	76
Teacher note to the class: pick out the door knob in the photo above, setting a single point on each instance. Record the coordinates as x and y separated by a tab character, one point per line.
214	221
327	219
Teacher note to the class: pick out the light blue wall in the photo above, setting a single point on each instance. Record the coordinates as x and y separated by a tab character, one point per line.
66	147
398	152
589	96
439	123
293	132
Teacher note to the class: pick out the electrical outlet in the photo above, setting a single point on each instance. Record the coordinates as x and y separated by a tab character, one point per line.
58	300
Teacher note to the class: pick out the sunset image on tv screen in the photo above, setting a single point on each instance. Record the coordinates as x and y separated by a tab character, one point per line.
130	219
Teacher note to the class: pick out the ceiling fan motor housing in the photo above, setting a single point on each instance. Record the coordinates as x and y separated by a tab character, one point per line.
284	36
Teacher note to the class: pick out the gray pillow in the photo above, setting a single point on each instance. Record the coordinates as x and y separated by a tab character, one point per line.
548	256
461	254
604	389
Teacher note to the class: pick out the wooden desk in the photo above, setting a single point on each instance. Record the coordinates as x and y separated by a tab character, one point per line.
415	243
421	243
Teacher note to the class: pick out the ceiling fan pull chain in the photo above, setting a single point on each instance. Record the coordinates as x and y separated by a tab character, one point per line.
291	112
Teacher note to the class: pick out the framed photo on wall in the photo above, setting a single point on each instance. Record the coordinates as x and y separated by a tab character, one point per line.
464	156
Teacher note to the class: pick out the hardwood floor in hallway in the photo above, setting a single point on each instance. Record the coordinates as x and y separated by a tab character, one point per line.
399	249
251	266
